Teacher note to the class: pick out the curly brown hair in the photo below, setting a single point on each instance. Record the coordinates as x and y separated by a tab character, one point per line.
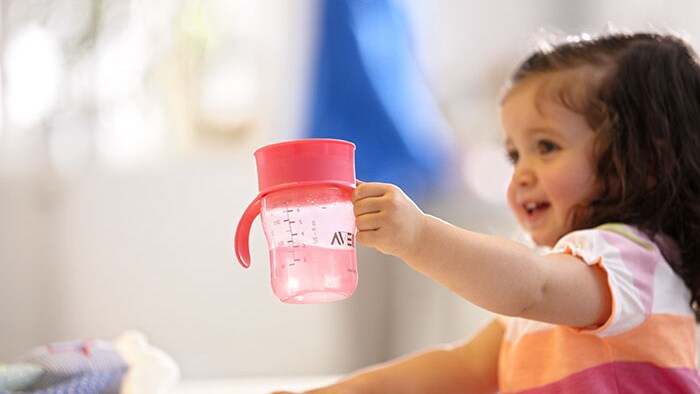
641	94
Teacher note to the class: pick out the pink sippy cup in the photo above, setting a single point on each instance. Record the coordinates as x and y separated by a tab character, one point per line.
304	202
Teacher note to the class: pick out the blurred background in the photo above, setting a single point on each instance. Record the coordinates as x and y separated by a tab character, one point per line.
127	130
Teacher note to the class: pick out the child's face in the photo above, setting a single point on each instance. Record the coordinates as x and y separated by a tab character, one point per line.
552	152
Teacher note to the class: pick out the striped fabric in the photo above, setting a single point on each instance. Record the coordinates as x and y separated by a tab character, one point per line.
90	383
18	376
78	365
646	346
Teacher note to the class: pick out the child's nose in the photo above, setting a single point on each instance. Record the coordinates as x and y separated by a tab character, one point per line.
523	175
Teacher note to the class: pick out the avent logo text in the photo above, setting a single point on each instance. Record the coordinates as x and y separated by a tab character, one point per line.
343	238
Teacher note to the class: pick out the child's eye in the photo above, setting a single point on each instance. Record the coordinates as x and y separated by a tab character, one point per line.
545	146
512	156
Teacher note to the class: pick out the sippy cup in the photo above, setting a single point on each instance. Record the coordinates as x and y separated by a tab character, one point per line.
305	206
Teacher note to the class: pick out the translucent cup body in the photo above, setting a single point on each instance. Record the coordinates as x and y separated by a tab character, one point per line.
310	232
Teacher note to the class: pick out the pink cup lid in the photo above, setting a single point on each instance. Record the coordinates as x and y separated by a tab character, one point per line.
305	161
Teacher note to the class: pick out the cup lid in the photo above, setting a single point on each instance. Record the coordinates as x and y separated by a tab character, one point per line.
313	160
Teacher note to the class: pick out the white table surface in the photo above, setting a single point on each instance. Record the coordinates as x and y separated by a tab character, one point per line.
253	385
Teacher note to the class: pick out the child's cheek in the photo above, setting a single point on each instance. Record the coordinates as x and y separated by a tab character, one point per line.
510	196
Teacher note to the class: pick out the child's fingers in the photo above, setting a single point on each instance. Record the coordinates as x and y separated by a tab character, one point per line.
366	206
367	238
368	222
369	189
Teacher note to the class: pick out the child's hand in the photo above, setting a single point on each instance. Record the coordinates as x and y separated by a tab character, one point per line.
387	219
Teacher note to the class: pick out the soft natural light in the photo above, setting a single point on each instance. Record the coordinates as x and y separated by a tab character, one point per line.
488	172
2	111
229	89
33	63
69	19
69	142
130	133
121	63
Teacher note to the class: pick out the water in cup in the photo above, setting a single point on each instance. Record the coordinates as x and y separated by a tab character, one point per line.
311	237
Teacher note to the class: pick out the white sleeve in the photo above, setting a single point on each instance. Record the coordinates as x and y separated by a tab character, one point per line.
629	262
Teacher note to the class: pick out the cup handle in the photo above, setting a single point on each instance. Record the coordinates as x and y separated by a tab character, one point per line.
241	238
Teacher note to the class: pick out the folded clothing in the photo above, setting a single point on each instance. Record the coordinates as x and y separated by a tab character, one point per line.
69	360
128	365
18	376
90	383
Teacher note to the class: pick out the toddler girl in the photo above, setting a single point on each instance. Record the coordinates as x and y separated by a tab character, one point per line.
604	136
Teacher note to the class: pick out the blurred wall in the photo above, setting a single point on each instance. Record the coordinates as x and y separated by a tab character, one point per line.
23	283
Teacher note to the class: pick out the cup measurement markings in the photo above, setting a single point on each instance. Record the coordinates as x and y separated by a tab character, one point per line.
291	232
296	230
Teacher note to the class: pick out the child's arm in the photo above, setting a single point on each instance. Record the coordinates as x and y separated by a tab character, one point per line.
495	273
470	367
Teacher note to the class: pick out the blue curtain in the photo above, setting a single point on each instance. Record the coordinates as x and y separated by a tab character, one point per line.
368	89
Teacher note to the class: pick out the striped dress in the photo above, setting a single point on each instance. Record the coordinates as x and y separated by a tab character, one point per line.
648	344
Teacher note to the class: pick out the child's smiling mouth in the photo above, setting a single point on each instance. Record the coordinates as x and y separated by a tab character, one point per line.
533	208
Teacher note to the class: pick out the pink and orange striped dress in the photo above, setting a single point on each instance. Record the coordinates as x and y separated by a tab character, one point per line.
648	344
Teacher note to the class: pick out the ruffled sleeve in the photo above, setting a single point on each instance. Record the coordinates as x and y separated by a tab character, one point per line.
629	259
